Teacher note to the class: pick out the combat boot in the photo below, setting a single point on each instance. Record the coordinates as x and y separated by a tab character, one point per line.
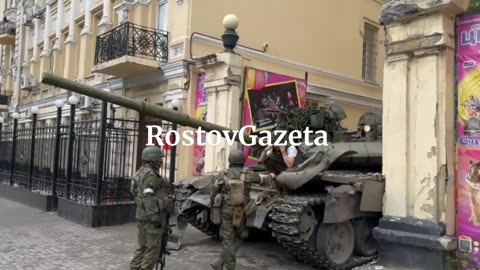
217	265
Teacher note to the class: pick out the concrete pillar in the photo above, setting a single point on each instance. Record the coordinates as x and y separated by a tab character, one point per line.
36	37
418	134
223	85
60	14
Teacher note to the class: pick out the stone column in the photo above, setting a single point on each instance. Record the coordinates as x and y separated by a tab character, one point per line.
45	55
418	134
48	19
106	22
88	18
69	65
26	61
36	37
85	39
58	32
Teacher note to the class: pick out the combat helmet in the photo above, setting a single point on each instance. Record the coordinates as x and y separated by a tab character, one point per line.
152	153
236	157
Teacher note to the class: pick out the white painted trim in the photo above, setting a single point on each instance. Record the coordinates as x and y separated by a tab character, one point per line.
310	69
344	96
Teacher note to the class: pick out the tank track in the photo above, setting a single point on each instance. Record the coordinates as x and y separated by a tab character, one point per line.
285	223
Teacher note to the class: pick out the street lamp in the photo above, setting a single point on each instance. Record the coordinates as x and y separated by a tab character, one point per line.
59	103
230	37
22	4
34	110
73	100
15	115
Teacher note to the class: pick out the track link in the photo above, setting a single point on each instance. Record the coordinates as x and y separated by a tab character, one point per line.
285	224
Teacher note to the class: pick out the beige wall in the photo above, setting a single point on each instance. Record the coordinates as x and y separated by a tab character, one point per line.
326	34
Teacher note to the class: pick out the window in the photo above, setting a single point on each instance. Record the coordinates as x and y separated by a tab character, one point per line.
162	16
370	41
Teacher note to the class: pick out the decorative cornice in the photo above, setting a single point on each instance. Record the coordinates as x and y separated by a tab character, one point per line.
46	102
278	60
344	96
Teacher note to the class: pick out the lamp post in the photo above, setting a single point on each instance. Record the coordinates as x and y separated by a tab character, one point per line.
59	104
72	100
22	4
15	117
174	104
230	37
34	110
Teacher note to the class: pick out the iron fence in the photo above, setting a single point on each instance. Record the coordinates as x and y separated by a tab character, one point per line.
7	27
90	162
130	39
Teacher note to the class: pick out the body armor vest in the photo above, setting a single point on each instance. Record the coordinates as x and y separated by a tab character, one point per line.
235	189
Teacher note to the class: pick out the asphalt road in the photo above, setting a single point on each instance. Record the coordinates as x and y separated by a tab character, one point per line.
35	240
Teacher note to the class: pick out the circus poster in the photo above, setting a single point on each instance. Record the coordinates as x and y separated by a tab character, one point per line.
264	94
200	113
468	124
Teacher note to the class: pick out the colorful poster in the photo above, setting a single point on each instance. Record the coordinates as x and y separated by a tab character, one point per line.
266	92
468	170
200	113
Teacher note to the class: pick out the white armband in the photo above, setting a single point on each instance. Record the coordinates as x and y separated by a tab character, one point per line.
148	191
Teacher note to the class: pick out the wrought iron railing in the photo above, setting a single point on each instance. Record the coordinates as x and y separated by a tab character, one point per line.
129	39
7	27
3	100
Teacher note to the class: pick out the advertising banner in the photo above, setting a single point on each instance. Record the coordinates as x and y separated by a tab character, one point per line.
265	92
468	169
200	113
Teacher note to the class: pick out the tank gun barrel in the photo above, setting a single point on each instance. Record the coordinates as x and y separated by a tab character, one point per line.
140	106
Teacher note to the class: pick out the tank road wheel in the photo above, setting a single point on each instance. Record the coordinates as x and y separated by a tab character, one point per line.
336	242
365	243
308	223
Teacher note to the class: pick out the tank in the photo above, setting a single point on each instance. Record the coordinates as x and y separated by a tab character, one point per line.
323	210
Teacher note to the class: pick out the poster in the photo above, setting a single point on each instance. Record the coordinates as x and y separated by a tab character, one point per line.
200	113
265	92
468	170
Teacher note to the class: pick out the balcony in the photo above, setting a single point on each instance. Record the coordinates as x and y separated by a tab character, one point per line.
7	33
4	100
130	50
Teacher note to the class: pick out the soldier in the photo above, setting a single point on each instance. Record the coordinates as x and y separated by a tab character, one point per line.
232	205
153	204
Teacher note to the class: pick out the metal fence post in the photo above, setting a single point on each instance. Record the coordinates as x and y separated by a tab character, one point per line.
57	149
32	148
14	148
71	140
101	153
173	155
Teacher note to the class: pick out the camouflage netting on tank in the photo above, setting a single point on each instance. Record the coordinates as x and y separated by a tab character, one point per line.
311	117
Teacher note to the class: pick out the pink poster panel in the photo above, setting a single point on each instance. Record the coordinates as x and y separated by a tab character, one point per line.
200	113
468	170
266	92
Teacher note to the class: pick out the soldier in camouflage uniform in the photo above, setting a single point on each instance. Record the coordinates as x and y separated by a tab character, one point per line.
153	203
232	205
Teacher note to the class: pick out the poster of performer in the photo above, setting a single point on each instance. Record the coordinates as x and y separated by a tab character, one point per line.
200	113
468	171
264	94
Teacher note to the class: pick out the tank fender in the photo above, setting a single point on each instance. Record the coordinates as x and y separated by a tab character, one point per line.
295	179
201	197
343	204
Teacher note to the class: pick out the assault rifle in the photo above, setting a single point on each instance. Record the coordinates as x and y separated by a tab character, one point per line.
163	245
